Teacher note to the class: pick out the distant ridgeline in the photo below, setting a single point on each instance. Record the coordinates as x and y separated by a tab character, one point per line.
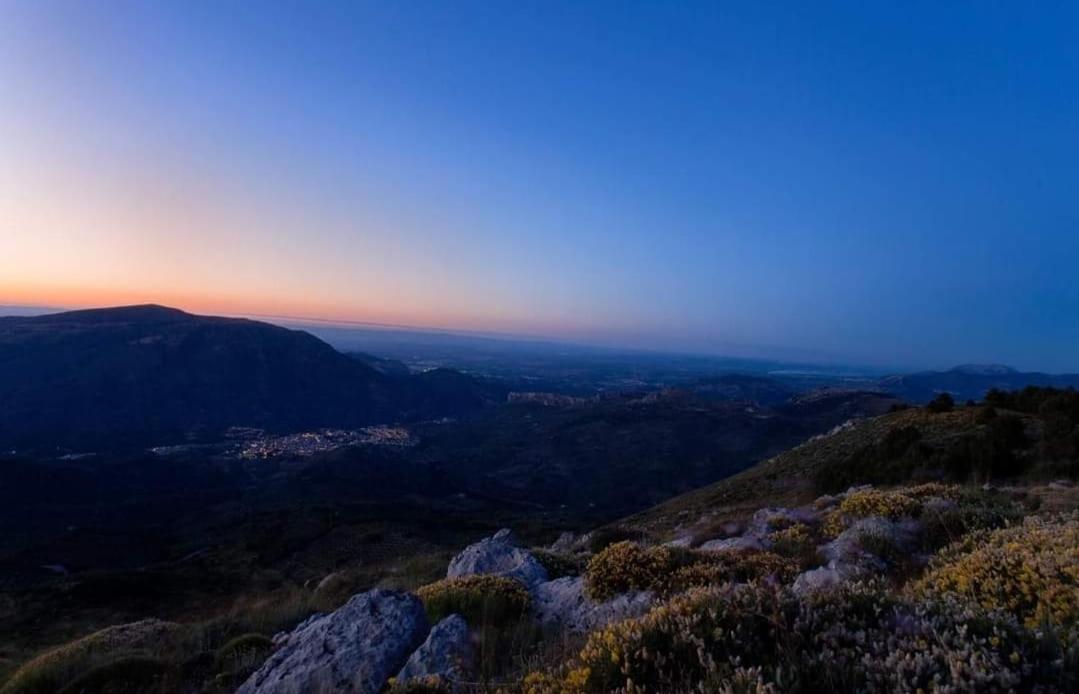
970	382
142	374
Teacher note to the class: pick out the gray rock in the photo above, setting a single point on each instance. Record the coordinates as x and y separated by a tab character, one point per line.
849	549
500	555
565	543
447	653
936	504
684	541
353	649
508	536
561	604
1060	484
825	502
768	520
732	528
825	578
732	543
282	636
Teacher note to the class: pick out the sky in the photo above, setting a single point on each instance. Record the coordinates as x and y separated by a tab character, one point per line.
882	183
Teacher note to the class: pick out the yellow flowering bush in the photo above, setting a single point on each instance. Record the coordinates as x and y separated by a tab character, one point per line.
737	566
479	599
691	641
890	504
626	566
951	492
796	543
1030	570
893	504
757	638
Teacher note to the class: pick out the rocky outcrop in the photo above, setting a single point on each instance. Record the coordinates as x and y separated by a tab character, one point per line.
499	555
447	654
566	543
353	649
825	578
745	542
756	534
867	547
862	543
562	604
768	520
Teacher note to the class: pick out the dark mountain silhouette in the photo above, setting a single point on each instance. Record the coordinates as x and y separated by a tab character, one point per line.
970	382
138	374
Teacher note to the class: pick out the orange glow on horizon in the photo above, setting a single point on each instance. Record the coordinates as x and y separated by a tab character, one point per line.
71	298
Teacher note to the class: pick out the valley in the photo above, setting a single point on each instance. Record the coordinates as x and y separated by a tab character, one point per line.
227	508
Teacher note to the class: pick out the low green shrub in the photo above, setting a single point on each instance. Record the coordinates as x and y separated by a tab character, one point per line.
559	564
797	544
130	675
602	538
626	566
432	684
974	510
944	402
243	646
494	600
53	669
241	656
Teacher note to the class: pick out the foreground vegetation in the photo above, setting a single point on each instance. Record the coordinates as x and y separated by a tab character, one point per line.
984	597
976	621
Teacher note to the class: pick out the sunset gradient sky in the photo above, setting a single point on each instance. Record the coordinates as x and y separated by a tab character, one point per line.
894	185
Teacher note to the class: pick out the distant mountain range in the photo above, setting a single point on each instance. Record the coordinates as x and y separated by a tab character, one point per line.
148	373
970	382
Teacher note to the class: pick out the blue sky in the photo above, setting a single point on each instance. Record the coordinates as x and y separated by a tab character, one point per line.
892	184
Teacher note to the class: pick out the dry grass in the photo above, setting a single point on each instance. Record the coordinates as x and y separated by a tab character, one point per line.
788	478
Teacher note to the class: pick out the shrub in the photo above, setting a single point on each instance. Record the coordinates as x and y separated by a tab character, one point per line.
241	646
944	402
494	600
690	641
863	638
1031	571
739	566
626	566
129	675
893	505
51	670
895	458
951	492
559	564
974	510
797	544
431	684
759	638
602	538
241	656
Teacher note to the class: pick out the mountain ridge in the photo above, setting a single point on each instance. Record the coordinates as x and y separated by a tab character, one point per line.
144	373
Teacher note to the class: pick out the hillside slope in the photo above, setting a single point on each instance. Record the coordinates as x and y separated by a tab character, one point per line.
970	443
150	373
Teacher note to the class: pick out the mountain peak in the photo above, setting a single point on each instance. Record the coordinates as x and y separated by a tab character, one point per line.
138	313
